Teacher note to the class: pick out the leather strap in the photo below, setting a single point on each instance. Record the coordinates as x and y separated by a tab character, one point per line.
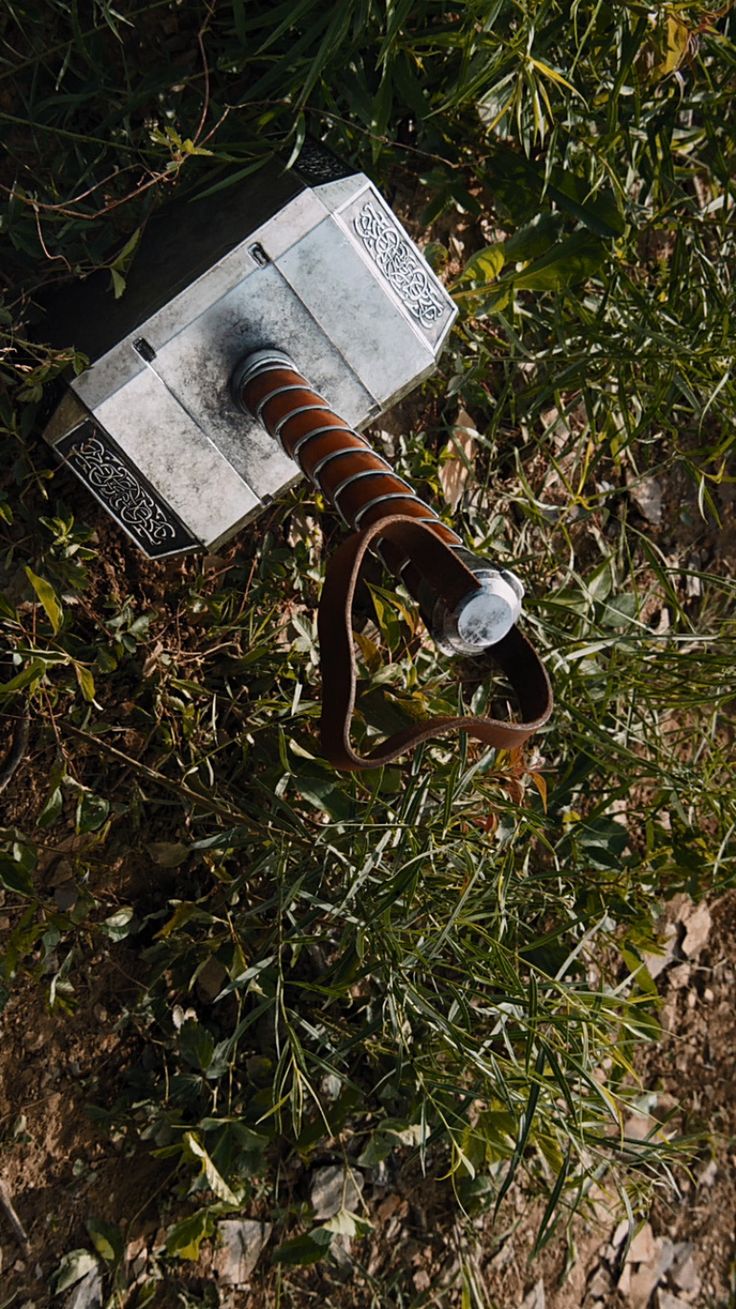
451	581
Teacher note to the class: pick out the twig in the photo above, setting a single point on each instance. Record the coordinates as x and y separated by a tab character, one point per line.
19	1231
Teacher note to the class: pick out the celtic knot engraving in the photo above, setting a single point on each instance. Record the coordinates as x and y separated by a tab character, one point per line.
399	265
121	492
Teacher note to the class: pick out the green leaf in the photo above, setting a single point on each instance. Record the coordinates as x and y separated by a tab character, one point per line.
14	877
571	260
486	264
214	1179
119	924
32	673
51	809
599	211
74	1266
107	1239
49	600
185	1238
118	283
86	682
92	812
196	1044
300	1250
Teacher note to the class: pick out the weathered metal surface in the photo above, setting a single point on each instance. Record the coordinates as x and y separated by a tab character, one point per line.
323	270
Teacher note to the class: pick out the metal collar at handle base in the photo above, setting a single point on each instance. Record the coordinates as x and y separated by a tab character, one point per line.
434	560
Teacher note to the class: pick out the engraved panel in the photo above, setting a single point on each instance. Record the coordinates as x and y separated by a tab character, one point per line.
399	264
124	493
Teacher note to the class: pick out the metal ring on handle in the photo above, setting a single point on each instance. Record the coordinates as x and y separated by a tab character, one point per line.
269	375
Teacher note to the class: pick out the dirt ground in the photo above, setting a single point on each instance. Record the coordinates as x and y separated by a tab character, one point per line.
60	1168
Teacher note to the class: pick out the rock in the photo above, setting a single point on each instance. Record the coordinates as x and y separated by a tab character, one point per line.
643	1248
679	977
624	1282
656	963
709	1174
334	1188
87	1294
646	493
599	1284
683	1272
241	1242
697	929
535	1299
422	1280
665	1300
643	1282
620	1233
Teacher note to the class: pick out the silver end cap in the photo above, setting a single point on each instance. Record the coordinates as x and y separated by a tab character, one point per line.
483	617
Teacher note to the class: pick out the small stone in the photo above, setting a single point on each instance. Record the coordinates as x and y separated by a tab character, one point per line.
599	1284
34	1041
624	1281
242	1241
334	1188
535	1299
697	929
665	1300
422	1280
646	493
708	995
709	1174
642	1249
642	1284
679	977
4	923
620	1232
684	1272
100	1013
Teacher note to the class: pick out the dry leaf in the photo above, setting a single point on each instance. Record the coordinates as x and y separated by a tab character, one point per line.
456	460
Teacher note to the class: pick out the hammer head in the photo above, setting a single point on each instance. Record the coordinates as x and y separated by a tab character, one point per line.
310	260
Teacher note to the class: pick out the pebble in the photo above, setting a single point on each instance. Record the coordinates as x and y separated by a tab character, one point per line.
535	1299
698	923
241	1241
334	1188
642	1249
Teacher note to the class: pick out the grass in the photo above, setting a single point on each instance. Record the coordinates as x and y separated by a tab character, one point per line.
436	968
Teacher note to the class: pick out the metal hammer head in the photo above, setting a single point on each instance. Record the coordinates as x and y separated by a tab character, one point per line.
312	261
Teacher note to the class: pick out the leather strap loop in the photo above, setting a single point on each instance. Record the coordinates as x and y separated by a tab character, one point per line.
451	580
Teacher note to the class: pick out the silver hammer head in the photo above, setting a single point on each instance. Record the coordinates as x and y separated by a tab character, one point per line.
312	259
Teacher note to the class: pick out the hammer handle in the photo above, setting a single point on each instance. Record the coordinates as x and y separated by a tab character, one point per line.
357	480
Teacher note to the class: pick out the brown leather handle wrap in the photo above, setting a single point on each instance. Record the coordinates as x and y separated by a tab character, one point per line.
437	562
412	541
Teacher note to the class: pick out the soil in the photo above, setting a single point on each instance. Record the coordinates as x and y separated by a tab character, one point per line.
61	1170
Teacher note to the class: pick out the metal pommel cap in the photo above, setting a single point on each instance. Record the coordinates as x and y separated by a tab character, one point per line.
482	618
